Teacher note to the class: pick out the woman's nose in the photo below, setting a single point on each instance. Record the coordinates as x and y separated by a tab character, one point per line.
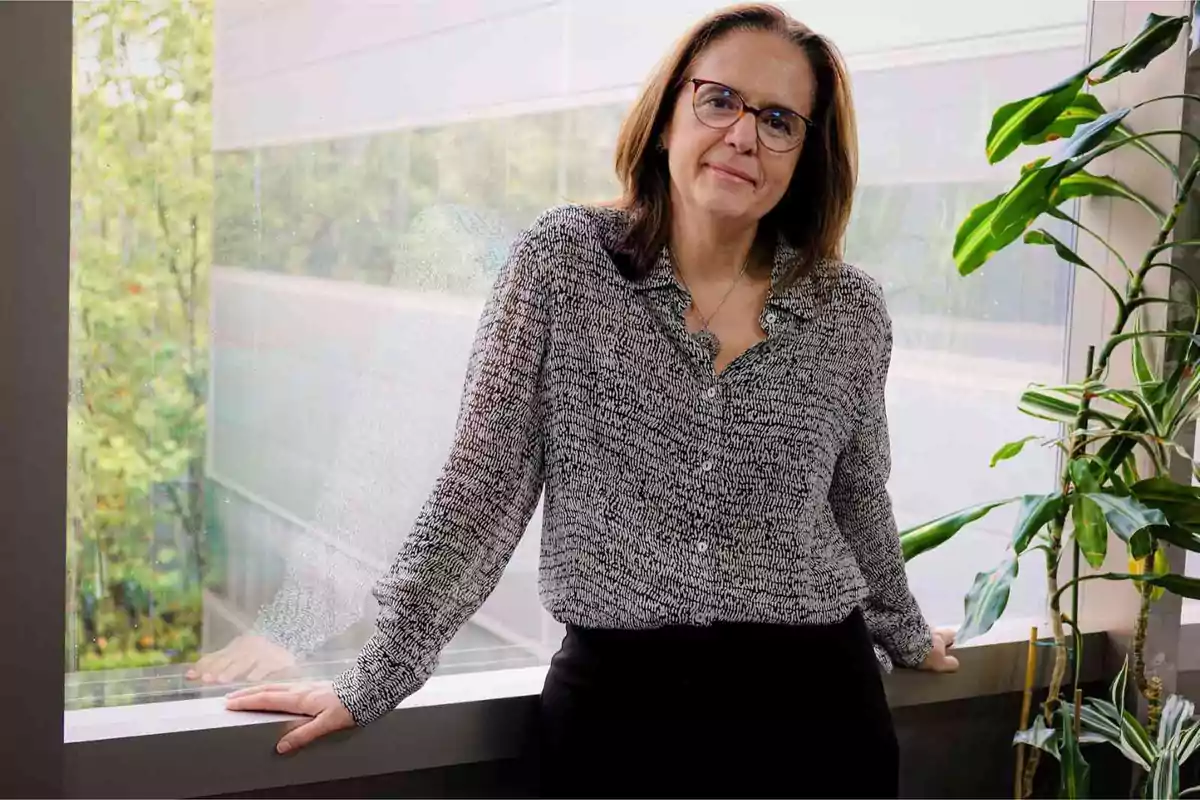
743	134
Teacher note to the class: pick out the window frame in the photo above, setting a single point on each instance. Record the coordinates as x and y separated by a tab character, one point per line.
35	173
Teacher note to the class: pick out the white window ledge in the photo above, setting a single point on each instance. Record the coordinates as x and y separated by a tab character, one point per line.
195	747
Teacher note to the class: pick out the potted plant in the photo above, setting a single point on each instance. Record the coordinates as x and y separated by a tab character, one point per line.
1117	442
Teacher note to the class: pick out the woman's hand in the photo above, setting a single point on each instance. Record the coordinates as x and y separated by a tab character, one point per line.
251	657
316	700
939	659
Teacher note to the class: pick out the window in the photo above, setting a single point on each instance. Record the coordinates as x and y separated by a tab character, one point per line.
287	216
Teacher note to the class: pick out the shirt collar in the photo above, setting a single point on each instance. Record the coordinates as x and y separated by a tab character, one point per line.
801	298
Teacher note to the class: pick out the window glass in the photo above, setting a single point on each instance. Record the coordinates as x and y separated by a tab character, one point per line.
286	217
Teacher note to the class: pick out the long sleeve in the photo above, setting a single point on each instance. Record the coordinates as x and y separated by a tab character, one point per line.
481	502
863	510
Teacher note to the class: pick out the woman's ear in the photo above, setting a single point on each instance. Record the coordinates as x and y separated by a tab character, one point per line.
664	136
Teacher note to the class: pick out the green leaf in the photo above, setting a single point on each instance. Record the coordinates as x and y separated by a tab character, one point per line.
1026	200
1082	476
1176	712
1133	400
1180	537
1049	405
1090	529
974	242
1128	518
986	600
1187	742
1083	108
1085	184
1179	502
1174	583
1115	452
1135	743
1142	372
1015	122
1075	774
1156	37
1164	490
1010	450
1035	513
1096	721
1061	250
995	224
1039	736
1085	139
1163	783
1104	721
929	535
1180	585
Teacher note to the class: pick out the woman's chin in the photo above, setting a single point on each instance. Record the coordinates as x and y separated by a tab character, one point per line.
726	208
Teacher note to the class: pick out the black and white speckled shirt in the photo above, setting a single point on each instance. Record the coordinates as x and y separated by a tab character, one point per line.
672	495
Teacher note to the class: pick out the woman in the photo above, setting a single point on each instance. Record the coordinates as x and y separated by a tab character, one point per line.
697	382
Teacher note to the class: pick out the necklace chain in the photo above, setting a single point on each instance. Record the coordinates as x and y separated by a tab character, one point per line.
704	321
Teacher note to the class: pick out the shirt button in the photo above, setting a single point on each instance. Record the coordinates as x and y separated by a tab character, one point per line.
702	546
771	318
712	392
707	466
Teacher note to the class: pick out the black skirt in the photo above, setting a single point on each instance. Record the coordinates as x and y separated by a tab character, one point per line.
729	710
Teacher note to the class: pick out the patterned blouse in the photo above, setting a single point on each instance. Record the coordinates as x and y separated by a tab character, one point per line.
672	495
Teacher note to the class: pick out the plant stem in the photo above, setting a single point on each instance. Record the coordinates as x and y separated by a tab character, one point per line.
1150	686
1078	443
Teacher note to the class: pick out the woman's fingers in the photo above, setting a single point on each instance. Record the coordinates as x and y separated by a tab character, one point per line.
948	635
283	702
250	691
304	735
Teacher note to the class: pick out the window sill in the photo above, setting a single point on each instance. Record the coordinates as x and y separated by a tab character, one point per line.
198	748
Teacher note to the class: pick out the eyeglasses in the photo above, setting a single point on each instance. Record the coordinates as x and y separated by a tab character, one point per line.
717	106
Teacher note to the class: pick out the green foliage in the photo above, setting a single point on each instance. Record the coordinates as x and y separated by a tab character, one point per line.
929	535
1112	435
987	599
141	220
1160	755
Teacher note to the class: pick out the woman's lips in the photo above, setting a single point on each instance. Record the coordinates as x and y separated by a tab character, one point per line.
731	172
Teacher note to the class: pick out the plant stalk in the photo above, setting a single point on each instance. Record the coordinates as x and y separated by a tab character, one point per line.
1096	372
1053	560
1026	707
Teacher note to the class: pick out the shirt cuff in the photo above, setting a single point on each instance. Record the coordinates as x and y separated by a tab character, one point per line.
374	685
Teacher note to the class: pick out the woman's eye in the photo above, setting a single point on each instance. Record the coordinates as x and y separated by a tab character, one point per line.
721	101
781	123
717	98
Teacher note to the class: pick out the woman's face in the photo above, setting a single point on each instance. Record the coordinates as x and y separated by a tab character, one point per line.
728	173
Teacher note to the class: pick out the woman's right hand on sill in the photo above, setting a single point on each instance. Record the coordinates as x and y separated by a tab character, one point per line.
315	700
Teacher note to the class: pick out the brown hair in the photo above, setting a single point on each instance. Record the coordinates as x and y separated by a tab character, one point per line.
813	213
